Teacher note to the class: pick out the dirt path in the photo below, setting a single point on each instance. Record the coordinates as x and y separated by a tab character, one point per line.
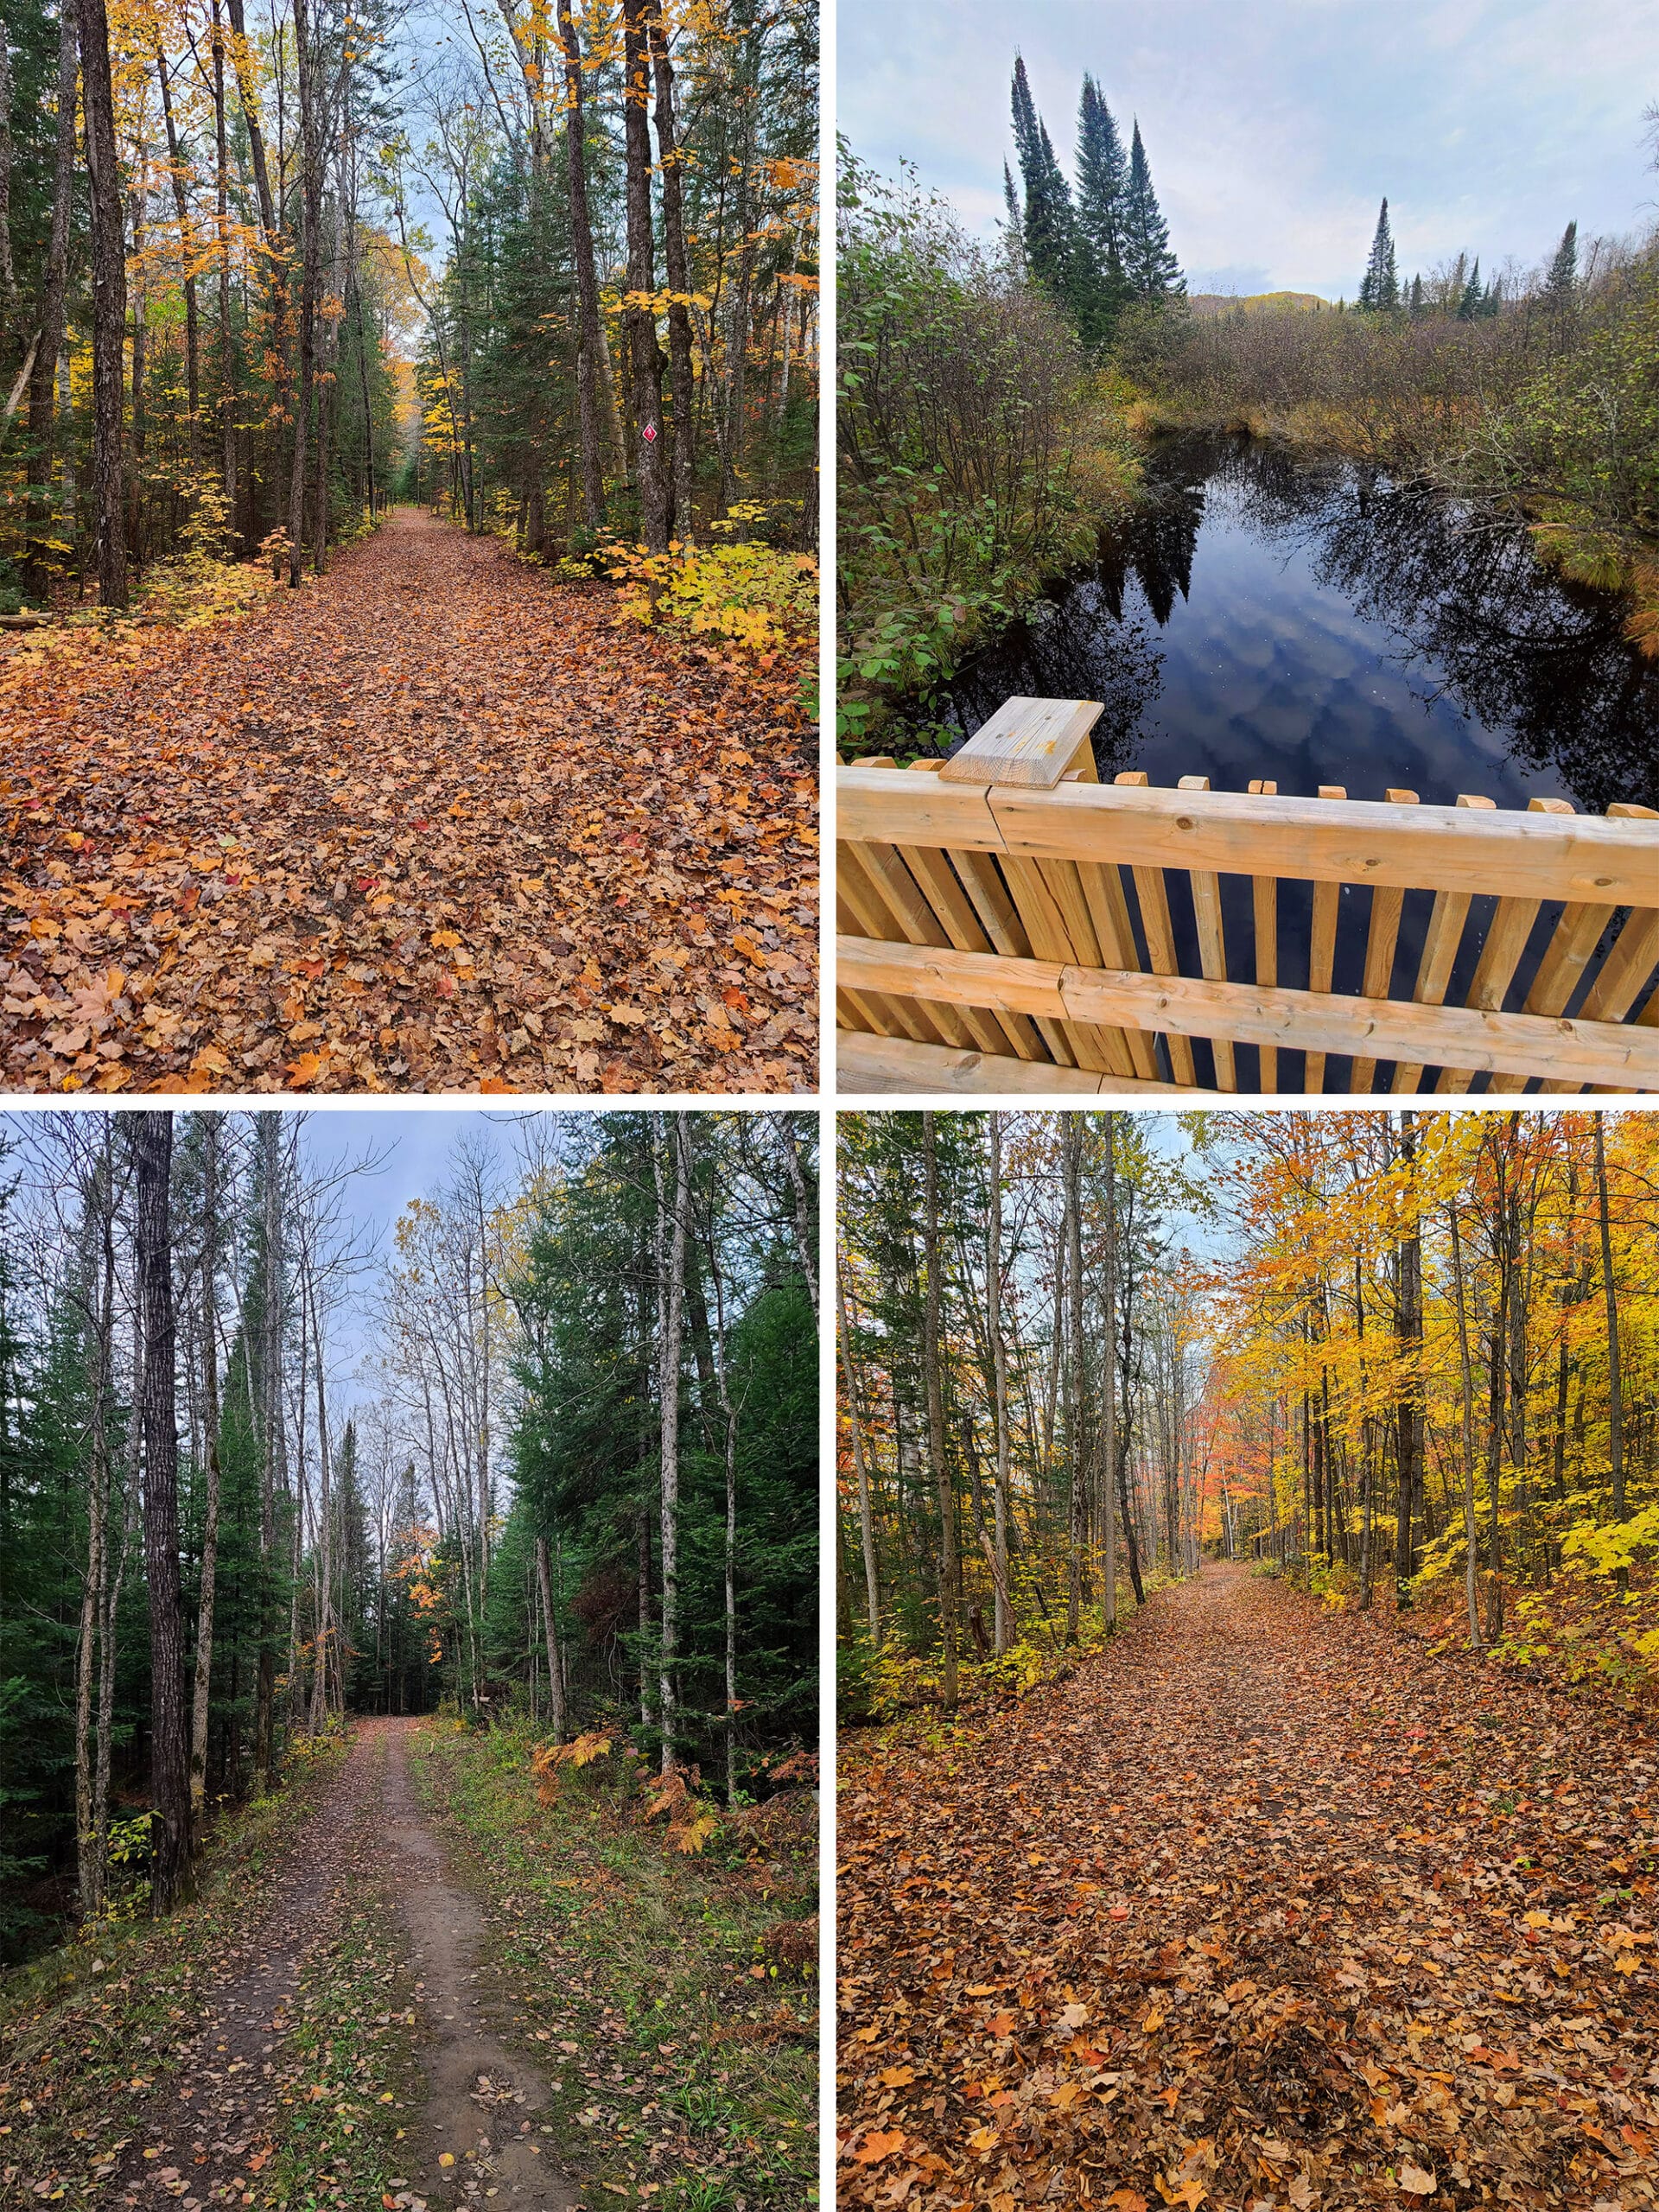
434	822
482	2101
190	2148
1265	1907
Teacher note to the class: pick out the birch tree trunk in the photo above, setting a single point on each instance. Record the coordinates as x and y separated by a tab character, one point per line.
639	317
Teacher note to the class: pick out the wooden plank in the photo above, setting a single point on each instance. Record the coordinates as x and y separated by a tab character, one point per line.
1159	934
887	806
1046	926
1510	854
1441	943
889	1065
856	896
981	878
1322	951
885	869
1506	940
1212	944
1108	910
1264	917
1381	941
1033	742
1622	1054
1625	974
954	910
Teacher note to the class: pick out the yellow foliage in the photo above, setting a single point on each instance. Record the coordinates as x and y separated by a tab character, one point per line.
756	597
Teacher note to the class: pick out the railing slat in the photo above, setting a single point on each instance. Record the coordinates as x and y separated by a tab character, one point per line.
1159	934
886	1064
1264	917
1322	950
1212	944
1382	942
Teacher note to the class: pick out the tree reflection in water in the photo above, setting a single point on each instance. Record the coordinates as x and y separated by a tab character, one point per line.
1264	616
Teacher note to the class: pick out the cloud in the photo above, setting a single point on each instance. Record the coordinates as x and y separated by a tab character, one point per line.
1274	132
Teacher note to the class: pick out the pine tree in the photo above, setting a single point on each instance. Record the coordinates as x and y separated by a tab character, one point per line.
1153	271
1563	277
1469	305
1102	194
1379	288
1417	298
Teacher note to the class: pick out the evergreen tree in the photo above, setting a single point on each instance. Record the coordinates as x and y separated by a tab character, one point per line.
1102	195
1469	305
1150	267
1417	298
1563	277
1379	288
1050	223
1013	228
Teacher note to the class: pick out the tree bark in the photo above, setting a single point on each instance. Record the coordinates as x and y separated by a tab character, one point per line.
1471	1579
1615	1390
187	248
210	1438
152	1151
555	1716
43	382
639	320
677	264
1003	1623
669	1305
948	1564
310	162
1109	1409
589	347
1409	1408
109	304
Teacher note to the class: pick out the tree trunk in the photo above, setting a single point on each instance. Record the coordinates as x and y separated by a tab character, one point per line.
589	345
152	1153
1409	1407
1000	1390
866	1521
109	304
678	267
556	1714
639	319
948	1565
210	1428
1470	1575
1109	1410
222	231
1614	1389
669	1304
309	263
43	381
187	248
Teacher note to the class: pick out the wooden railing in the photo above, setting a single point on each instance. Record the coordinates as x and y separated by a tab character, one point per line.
1007	922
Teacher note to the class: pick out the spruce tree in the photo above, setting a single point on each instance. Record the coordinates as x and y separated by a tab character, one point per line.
1417	298
1379	288
1469	305
1051	225
1102	195
1014	229
1153	271
1563	277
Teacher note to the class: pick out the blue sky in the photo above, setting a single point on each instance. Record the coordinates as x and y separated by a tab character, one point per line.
1274	131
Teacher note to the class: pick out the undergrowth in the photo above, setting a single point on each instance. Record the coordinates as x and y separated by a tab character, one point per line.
88	2029
662	1993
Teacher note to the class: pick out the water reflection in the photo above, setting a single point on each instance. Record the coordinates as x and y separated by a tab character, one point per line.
1263	617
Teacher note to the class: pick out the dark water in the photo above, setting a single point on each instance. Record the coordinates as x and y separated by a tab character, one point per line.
1262	617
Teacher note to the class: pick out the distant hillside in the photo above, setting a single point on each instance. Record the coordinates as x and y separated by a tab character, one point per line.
1213	304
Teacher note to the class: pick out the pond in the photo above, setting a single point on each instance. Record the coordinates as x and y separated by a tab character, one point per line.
1261	615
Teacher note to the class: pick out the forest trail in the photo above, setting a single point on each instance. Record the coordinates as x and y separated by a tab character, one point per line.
433	822
1264	1906
366	1836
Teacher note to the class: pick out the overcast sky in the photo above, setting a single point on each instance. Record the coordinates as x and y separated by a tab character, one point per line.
1274	131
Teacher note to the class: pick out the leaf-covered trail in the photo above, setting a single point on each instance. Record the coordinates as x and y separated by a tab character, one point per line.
204	2142
433	822
1264	1907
